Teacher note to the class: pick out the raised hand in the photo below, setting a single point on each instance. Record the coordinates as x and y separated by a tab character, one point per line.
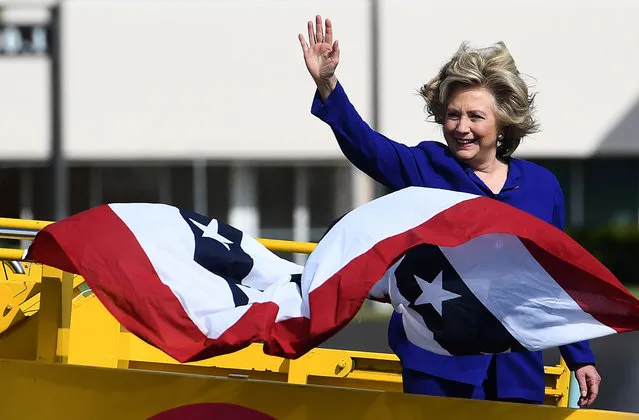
321	55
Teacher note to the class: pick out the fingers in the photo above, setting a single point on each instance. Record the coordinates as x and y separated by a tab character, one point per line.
593	388
316	34
319	30
588	399
588	379
311	33
335	51
583	389
581	380
303	42
329	32
592	396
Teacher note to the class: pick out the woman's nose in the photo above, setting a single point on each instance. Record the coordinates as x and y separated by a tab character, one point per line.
463	125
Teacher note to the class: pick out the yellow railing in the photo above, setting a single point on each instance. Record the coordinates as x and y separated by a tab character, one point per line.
277	245
74	328
27	229
23	224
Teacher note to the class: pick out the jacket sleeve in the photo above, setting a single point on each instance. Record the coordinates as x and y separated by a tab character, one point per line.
388	162
577	353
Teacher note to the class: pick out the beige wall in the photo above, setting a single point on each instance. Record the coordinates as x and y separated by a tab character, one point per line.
24	108
225	79
184	78
582	56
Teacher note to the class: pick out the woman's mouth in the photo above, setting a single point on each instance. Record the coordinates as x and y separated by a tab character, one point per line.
463	142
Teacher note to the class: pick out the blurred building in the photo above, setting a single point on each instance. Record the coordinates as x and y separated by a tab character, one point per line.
206	104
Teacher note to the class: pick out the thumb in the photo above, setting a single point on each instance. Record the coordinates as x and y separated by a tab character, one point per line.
336	49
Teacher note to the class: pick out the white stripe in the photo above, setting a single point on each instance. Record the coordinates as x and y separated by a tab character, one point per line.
362	228
169	244
515	288
272	274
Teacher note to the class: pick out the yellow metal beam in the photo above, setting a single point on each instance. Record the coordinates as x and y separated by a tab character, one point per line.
277	245
9	223
76	392
55	316
7	254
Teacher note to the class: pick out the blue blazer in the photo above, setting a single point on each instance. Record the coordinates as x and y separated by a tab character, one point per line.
528	187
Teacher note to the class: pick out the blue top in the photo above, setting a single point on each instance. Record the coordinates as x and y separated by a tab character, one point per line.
528	187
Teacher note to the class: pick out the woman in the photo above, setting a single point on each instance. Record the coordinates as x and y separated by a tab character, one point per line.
485	110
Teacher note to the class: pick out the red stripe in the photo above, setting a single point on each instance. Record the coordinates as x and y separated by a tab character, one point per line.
103	250
288	338
604	300
339	299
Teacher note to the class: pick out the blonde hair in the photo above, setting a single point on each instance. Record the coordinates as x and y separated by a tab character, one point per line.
492	68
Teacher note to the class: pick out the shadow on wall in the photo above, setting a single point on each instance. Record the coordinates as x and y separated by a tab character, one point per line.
617	360
624	136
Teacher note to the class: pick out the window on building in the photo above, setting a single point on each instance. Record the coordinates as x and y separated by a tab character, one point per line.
81	196
562	169
218	192
611	191
125	184
10	192
275	186
181	179
322	190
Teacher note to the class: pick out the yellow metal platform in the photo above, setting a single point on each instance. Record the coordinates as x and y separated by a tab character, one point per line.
59	347
53	391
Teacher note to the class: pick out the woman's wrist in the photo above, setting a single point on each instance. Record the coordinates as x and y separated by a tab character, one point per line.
326	86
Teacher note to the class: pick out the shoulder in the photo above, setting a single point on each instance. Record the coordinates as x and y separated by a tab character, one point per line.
535	173
433	146
438	155
540	179
435	149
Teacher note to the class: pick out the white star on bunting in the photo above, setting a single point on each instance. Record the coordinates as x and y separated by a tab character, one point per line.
211	231
434	293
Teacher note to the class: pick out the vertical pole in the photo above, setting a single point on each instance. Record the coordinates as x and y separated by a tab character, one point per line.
374	25
573	393
301	214
362	186
26	198
54	316
58	164
243	212
343	196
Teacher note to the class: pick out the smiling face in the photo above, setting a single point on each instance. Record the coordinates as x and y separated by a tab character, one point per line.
471	125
